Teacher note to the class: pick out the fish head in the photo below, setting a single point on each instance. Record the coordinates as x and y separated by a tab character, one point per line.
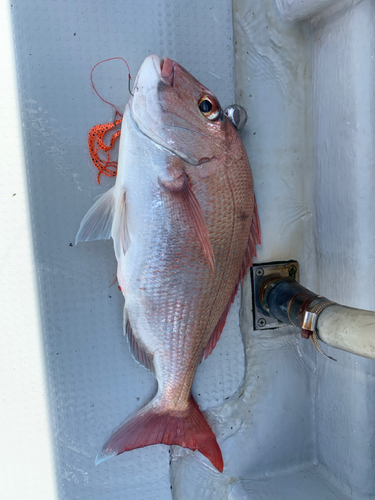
177	112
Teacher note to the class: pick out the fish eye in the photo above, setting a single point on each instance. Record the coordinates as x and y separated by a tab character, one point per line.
209	107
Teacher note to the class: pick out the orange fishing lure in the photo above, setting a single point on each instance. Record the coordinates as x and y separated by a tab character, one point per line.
96	143
107	166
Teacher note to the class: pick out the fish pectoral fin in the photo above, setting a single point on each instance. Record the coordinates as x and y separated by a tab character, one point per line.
250	252
196	216
180	188
97	223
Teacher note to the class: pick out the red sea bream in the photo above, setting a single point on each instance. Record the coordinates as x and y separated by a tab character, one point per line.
183	219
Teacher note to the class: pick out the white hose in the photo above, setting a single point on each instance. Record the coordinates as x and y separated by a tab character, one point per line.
349	329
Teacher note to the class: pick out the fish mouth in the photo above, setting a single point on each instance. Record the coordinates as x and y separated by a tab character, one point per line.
164	69
153	73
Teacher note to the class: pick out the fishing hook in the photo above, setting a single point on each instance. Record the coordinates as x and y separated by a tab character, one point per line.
130	92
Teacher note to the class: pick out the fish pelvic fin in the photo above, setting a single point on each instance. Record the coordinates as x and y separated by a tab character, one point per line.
119	232
97	223
106	219
156	425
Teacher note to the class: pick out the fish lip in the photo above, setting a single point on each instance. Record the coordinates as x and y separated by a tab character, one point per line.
166	64
164	68
167	67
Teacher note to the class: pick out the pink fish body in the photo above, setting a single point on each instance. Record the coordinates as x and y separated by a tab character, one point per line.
183	219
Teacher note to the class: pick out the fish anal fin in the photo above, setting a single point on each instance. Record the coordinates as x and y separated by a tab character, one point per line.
179	186
138	351
155	424
250	252
97	223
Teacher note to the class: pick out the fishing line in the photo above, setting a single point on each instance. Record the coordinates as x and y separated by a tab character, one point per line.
93	85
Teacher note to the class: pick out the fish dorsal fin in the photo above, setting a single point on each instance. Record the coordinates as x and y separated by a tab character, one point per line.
216	333
181	188
138	351
255	233
97	223
254	239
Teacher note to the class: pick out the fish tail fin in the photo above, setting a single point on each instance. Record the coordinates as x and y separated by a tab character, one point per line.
155	425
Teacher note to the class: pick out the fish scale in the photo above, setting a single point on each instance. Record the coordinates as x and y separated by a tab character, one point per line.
183	219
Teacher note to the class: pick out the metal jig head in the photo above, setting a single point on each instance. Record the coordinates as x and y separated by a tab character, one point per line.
237	114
